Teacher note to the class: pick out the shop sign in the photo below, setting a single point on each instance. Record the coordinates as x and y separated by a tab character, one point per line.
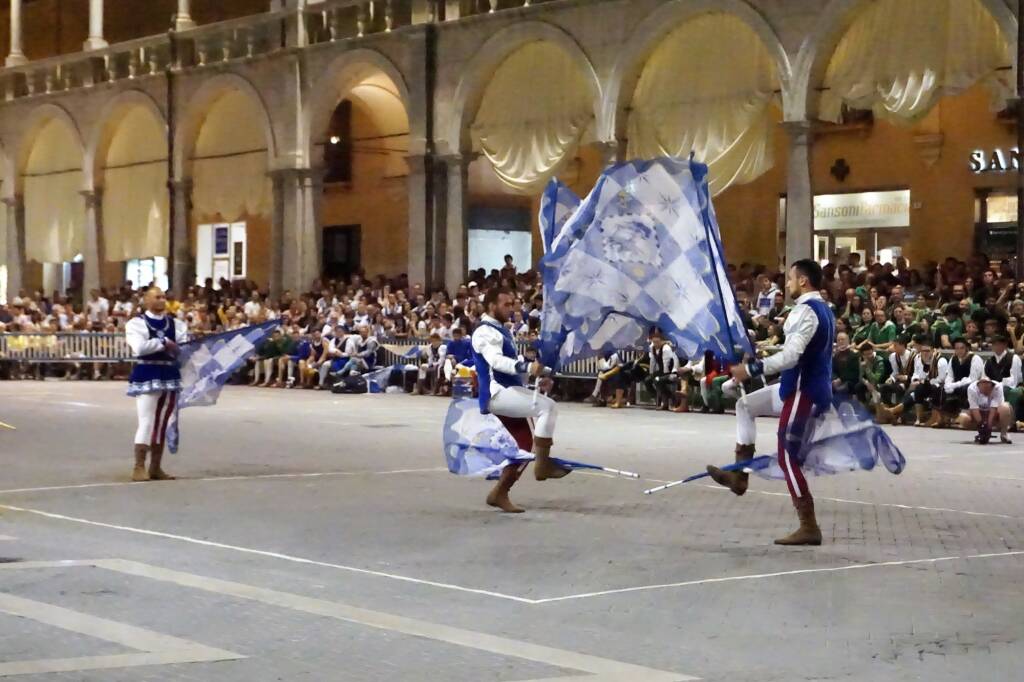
862	210
995	161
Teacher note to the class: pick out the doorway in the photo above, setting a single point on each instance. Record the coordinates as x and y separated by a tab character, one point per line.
341	256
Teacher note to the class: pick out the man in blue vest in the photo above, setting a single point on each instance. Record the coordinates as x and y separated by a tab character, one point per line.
499	371
805	364
155	381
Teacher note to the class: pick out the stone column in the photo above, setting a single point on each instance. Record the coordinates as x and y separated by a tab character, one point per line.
612	151
421	233
15	242
456	205
799	193
16	55
95	41
297	226
91	253
182	19
181	258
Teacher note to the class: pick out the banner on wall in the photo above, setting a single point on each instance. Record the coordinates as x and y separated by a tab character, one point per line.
862	210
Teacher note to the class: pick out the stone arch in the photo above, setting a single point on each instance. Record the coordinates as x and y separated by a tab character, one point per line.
110	117
36	121
200	104
344	73
648	36
817	49
489	57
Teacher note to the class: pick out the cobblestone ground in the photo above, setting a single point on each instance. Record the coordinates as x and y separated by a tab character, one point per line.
318	537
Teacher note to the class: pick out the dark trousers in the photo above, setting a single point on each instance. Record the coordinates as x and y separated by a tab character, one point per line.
923	394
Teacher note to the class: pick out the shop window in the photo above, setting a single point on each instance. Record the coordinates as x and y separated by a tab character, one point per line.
142	272
221	253
1001	208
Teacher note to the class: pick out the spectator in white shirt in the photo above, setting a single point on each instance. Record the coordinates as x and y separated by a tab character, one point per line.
253	307
926	383
97	308
965	368
987	411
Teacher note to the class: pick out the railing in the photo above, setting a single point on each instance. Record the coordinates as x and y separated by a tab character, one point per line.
243	38
64	347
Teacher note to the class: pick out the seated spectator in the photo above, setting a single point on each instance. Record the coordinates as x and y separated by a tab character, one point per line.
432	361
662	378
845	367
309	366
926	384
965	368
266	359
609	380
987	411
874	370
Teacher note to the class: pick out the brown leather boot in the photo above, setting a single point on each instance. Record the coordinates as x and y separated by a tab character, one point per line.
896	415
936	420
808	533
139	473
155	472
498	497
919	415
543	468
736	481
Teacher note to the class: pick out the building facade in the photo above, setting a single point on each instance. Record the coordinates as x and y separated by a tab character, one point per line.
278	141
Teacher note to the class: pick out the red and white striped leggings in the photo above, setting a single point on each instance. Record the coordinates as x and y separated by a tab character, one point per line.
155	411
796	413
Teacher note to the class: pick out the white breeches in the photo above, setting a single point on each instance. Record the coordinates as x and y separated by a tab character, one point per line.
764	402
517	402
155	412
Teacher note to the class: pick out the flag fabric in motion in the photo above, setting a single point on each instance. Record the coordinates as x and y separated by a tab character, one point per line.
642	250
207	364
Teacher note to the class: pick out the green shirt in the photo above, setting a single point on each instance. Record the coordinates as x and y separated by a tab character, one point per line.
846	367
881	334
943	327
875	370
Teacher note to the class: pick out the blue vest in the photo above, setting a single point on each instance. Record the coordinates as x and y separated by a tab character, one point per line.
813	372
157	371
483	370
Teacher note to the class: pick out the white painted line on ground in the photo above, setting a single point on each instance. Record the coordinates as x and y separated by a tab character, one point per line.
502	646
158	649
761	576
253	477
983	476
892	505
4	538
260	552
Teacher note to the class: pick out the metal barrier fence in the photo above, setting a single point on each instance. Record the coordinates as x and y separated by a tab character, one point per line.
394	353
64	347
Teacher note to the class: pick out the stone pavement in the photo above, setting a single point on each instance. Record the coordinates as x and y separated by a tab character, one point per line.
318	537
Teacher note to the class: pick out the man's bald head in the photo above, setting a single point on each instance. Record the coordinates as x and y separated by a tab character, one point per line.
154	300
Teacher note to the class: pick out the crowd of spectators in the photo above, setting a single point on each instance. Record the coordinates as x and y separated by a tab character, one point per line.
892	320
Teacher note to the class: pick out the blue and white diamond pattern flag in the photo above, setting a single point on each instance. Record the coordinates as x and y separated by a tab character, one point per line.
642	250
207	364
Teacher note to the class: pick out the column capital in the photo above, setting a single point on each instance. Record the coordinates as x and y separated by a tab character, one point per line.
92	197
458	160
418	163
800	132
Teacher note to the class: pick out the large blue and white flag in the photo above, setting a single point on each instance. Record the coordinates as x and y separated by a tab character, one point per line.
479	445
207	364
557	205
642	250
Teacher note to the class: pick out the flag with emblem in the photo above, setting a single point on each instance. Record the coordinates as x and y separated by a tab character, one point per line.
643	250
207	364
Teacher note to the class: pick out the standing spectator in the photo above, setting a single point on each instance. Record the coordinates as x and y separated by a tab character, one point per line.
97	309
